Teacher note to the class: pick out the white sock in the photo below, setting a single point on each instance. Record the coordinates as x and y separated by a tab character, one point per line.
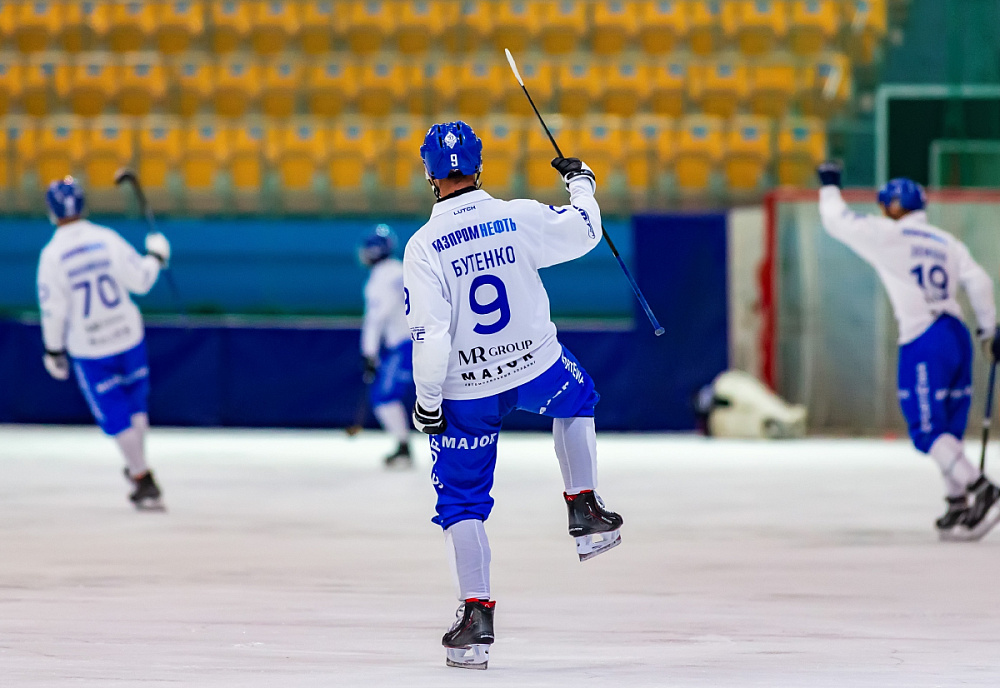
958	472
469	556
576	449
392	418
132	442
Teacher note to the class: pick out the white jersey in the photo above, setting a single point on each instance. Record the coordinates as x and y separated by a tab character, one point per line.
477	309
85	275
385	317
919	264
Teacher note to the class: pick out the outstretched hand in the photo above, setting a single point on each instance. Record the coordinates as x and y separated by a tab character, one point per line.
830	173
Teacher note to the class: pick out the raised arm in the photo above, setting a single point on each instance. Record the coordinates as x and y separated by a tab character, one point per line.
428	313
136	273
573	230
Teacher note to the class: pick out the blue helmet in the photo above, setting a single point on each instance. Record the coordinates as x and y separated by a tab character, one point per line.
377	245
64	199
907	192
451	147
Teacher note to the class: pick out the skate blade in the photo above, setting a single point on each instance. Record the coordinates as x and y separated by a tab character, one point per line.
986	525
589	546
468	657
956	534
398	464
151	505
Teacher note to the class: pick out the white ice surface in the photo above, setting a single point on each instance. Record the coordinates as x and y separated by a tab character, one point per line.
292	559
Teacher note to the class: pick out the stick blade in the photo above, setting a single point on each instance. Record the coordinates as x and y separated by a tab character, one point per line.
123	175
513	66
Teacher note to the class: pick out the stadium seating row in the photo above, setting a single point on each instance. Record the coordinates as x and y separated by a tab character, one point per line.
142	83
366	26
305	152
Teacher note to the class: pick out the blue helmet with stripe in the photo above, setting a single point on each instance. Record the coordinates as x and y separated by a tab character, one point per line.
451	147
379	244
907	192
65	199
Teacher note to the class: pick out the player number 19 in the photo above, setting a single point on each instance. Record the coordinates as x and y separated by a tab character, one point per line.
934	283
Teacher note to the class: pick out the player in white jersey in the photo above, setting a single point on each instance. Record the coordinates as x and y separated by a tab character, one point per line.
386	349
85	275
483	346
921	266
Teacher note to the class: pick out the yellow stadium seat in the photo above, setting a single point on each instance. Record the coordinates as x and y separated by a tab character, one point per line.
748	152
35	24
5	155
142	84
538	171
704	19
84	23
420	96
246	161
89	85
282	81
699	152
503	151
814	25
668	85
719	86
330	84
133	23
298	151
159	145
474	28
649	146
195	82
275	24
421	23
579	86
205	155
381	86
774	83
479	85
37	78
368	24
615	26
868	21
516	24
826	85
11	81
8	22
801	146
178	23
354	149
401	168
627	86
110	147
600	141
237	86
662	23
52	151
231	24
320	22
539	79
755	25
563	25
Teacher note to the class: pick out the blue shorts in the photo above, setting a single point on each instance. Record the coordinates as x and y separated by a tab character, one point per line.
394	379
465	456
116	387
935	382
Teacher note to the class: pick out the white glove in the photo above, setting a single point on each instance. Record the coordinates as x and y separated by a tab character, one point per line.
158	247
56	364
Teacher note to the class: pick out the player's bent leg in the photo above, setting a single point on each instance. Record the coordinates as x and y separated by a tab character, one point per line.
468	641
392	384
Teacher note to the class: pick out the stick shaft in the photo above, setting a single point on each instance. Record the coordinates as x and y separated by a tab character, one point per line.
988	416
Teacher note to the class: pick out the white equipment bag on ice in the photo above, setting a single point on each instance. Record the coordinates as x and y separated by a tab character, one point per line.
738	405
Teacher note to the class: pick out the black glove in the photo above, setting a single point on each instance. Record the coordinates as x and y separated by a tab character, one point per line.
56	364
829	173
429	422
571	168
995	344
370	367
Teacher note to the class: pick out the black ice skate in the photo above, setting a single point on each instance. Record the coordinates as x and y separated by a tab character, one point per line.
146	495
595	528
400	458
951	526
984	512
467	642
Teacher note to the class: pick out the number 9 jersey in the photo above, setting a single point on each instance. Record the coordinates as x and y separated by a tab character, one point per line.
920	265
85	275
476	307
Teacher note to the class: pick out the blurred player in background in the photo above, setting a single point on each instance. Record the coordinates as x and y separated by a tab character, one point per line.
484	345
85	276
921	266
386	349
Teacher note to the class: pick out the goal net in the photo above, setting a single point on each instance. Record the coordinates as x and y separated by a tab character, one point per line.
828	333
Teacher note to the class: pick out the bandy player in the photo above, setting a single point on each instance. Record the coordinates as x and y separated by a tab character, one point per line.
85	275
921	267
483	346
